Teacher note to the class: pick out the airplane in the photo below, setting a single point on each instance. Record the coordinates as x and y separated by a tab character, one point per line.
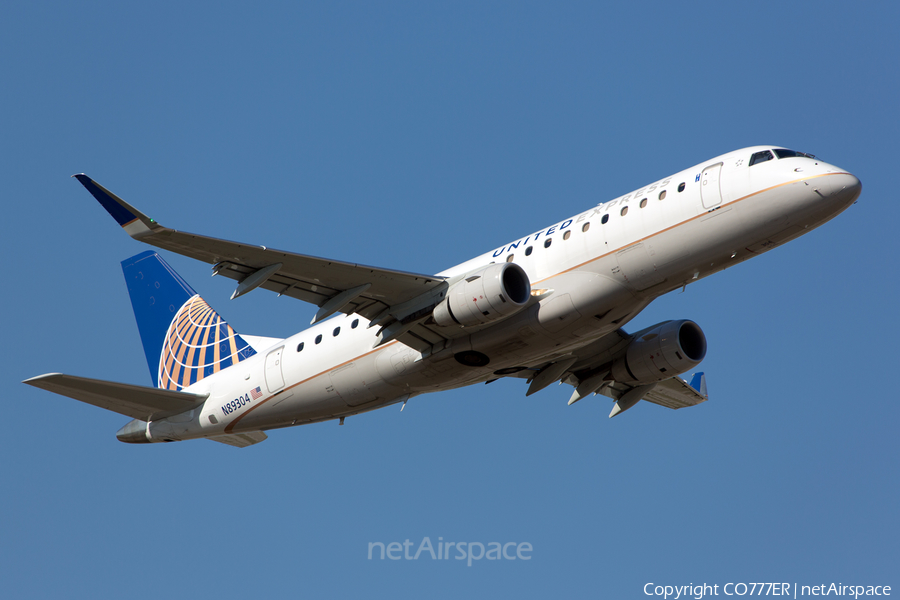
547	307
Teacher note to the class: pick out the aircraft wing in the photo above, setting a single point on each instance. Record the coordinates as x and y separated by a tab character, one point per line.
135	401
334	286
588	371
678	393
672	393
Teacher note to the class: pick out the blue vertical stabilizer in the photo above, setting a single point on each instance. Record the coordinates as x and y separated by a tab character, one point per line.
184	339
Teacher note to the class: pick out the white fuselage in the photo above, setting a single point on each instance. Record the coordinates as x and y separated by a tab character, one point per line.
591	273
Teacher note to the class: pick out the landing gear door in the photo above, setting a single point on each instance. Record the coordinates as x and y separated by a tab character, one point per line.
274	377
710	191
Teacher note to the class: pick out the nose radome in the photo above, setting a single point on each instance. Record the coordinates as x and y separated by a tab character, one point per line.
846	186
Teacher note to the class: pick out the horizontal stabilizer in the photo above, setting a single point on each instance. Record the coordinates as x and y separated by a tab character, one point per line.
135	401
240	440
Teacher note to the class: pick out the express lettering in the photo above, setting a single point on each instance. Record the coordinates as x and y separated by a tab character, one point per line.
635	194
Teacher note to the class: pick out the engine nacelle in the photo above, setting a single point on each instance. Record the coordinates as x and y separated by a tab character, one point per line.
488	294
669	349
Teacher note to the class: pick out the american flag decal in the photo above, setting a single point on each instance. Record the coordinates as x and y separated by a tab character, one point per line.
256	393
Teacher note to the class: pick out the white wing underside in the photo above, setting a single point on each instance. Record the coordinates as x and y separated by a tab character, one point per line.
671	393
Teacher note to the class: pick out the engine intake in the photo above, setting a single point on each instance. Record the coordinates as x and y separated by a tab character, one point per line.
488	294
661	352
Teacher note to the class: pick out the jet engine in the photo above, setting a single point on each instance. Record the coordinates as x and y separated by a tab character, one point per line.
485	295
661	352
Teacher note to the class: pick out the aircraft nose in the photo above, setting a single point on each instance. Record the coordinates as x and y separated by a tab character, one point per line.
845	187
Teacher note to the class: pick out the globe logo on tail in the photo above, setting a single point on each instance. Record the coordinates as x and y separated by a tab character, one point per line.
198	343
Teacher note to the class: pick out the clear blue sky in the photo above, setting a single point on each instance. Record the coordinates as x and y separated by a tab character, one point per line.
413	136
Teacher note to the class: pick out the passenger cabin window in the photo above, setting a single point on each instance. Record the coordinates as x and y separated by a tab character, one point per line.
336	331
783	153
299	346
510	257
567	235
605	219
587	226
624	211
643	203
759	157
528	251
662	195
681	187
319	339
547	242
354	324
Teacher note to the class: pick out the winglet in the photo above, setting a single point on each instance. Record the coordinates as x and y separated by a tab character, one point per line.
134	222
698	382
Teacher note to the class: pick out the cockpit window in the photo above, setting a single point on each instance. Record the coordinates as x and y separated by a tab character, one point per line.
783	153
759	157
